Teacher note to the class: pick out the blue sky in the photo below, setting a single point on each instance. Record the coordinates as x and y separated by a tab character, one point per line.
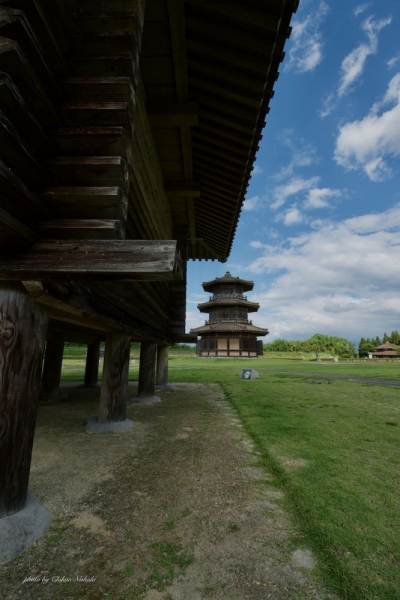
319	233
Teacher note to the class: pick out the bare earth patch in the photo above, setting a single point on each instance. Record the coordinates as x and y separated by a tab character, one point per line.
174	508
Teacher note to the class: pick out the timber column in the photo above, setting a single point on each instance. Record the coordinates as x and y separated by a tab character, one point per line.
114	387
147	366
92	365
51	376
162	368
23	327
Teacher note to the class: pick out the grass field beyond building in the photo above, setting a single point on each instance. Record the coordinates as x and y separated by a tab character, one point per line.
334	449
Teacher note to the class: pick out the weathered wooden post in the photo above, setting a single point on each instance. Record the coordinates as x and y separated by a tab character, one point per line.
162	365
147	366
92	365
114	387
162	368
23	327
51	376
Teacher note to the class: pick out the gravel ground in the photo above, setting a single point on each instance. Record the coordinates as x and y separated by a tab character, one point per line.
174	508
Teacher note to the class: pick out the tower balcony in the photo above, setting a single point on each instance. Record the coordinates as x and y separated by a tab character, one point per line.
232	320
216	296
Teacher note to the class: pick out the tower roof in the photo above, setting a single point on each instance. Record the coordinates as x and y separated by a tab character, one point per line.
228	279
229	302
229	327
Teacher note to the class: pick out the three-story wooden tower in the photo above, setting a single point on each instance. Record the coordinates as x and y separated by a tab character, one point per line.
228	332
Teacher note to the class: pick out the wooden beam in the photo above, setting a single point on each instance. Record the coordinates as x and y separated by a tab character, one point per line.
19	233
192	220
186	190
231	55
174	115
254	42
242	12
96	259
75	303
176	12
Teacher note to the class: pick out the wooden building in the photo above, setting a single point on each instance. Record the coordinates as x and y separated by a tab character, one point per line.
128	131
386	350
228	331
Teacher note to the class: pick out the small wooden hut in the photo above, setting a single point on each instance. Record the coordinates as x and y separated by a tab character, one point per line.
386	350
228	331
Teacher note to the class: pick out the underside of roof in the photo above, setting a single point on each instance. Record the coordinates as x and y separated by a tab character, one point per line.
218	60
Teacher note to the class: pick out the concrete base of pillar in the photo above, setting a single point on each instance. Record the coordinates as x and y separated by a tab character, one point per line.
20	530
141	400
166	388
93	426
53	397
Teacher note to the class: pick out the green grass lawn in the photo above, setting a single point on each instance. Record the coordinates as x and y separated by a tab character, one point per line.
335	451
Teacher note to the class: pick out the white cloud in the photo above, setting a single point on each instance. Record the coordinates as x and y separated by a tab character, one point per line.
250	203
304	154
393	61
317	197
257	170
370	143
194	319
353	64
361	8
306	50
293	187
341	279
293	216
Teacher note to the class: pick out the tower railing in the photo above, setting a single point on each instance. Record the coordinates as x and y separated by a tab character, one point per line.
216	296
232	320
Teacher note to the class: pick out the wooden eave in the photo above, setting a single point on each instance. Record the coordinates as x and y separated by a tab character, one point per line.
225	57
228	302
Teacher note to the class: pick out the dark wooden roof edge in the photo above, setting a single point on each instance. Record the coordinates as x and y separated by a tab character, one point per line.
228	279
239	302
288	9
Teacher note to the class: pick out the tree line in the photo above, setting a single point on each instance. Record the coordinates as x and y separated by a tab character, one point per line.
368	345
337	346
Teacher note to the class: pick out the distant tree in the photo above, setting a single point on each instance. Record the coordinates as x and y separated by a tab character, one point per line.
366	346
316	343
385	338
395	337
278	346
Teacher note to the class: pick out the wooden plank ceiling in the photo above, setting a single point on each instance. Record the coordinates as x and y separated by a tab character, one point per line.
209	67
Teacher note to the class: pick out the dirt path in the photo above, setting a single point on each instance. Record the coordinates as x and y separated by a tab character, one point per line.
172	509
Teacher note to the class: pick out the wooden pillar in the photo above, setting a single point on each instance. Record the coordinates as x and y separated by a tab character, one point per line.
51	375
23	327
147	369
92	364
114	387
162	365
